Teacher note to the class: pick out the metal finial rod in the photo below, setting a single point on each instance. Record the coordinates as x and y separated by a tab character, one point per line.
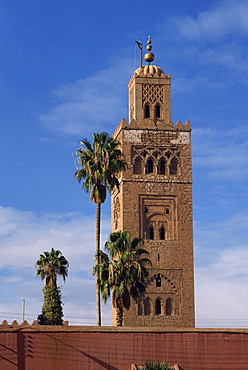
149	57
140	45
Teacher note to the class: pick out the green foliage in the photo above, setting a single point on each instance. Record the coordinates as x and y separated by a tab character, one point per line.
50	264
52	311
122	271
150	365
100	164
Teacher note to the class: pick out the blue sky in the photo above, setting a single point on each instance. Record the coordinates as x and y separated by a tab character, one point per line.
64	70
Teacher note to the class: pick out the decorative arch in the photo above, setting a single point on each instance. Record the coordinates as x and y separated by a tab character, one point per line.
151	233
147	111
147	306
158	281
140	310
174	166
150	166
162	166
156	226
137	165
158	306
162	233
168	306
157	111
167	280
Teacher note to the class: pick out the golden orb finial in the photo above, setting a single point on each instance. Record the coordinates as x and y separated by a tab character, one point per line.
149	57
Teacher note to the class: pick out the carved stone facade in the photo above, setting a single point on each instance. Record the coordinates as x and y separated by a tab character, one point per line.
155	200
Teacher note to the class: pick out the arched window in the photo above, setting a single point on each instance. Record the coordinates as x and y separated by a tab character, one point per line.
151	233
147	111
168	306
137	166
139	309
158	281
149	166
173	167
158	306
161	169
162	233
147	307
157	111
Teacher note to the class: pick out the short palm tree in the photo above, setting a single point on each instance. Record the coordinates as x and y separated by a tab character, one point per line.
100	164
49	265
150	365
122	270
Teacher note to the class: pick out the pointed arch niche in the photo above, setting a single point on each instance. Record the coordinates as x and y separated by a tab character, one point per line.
137	166
159	215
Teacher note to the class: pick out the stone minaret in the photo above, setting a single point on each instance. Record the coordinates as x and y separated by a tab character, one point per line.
155	199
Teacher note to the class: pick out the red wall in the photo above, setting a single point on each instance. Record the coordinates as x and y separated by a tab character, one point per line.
110	348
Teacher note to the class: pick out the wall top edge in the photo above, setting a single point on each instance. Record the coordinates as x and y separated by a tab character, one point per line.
71	328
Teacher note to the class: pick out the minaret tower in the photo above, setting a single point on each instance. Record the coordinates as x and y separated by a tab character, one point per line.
155	199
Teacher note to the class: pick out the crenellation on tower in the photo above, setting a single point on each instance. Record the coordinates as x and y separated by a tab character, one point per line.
154	201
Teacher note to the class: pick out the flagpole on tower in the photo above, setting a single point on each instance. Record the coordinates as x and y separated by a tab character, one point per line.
140	45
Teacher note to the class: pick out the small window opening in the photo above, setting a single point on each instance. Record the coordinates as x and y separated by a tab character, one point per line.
151	233
173	167
149	166
162	233
157	111
168	307
167	211
162	167
158	257
158	307
147	307
139	309
158	281
137	166
147	111
146	210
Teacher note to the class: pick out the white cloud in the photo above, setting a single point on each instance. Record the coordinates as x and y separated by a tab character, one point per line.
24	235
221	289
96	101
221	273
213	239
211	47
221	267
223	152
214	24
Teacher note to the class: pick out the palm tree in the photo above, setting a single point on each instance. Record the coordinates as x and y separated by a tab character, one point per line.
51	264
150	365
100	165
122	271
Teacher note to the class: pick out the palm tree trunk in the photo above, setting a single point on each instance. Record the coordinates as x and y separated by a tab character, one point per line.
98	300
119	316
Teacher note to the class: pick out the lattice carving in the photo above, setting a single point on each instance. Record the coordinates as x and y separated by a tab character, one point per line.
153	93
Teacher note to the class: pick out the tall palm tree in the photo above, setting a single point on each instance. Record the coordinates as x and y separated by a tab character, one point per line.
123	270
100	165
49	265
